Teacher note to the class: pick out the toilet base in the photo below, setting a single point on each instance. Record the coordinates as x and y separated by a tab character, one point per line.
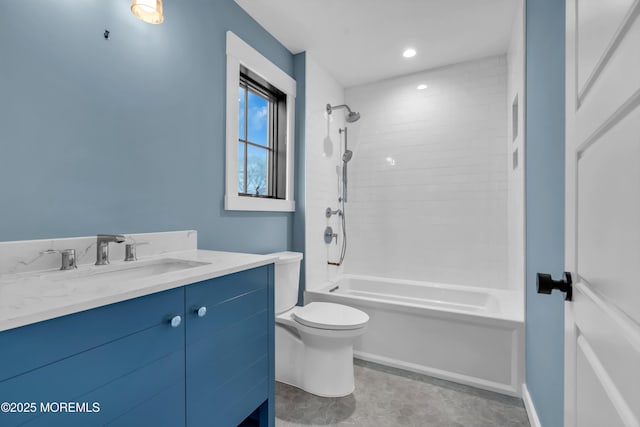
318	364
315	394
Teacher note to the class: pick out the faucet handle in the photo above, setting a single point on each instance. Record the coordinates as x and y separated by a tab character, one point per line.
130	250
68	258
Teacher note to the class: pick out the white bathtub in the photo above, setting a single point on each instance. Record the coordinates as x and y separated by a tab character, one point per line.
468	335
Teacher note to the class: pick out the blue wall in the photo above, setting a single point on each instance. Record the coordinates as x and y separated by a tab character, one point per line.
125	135
545	113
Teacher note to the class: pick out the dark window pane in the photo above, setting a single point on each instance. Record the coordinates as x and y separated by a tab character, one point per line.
241	188
258	119
257	170
241	116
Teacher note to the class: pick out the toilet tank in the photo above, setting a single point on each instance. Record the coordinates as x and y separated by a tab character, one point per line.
286	280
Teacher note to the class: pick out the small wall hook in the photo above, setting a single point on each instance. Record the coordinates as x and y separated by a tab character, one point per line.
106	34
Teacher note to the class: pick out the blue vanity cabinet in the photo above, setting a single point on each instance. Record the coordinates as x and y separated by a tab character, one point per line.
230	349
125	357
214	367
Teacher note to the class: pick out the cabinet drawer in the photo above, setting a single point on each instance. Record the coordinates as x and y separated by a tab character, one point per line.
221	289
119	376
43	343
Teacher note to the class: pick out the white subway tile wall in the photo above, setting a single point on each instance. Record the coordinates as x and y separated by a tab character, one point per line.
428	180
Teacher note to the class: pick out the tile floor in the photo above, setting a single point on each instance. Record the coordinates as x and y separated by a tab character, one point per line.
389	397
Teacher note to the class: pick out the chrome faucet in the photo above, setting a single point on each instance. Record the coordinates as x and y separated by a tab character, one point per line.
102	256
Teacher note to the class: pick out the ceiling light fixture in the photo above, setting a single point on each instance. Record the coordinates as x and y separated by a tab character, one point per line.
409	53
422	86
149	11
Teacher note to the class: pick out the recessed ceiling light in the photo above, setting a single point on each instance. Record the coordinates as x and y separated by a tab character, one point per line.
409	53
422	86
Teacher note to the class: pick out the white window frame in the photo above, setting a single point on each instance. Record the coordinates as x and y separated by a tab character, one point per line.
240	53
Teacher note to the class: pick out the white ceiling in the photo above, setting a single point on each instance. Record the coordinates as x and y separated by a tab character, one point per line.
361	41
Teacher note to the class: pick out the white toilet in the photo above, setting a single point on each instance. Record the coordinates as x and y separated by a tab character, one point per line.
314	343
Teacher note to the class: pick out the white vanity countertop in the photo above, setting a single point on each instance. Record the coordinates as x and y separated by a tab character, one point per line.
37	296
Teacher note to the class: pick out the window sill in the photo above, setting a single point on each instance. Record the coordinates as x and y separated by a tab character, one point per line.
244	203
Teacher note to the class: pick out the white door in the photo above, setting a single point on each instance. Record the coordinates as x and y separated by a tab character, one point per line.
602	323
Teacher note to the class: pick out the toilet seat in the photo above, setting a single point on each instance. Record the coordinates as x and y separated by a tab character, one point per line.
325	315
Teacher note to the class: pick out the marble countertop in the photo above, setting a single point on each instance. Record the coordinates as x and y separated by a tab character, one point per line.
27	298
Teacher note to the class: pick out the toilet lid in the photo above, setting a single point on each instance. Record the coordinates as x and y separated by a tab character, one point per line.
326	315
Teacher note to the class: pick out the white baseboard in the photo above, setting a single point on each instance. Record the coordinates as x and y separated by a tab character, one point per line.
531	410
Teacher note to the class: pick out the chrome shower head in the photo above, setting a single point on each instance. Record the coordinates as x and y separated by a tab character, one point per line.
352	116
348	154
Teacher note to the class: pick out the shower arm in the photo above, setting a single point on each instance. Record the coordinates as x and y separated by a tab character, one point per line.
330	108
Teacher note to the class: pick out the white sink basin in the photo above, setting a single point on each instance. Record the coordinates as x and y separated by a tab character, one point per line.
133	270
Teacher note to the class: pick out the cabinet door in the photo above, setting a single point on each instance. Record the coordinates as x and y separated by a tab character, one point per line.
137	373
229	350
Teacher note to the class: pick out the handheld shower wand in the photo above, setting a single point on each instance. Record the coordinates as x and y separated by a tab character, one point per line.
346	157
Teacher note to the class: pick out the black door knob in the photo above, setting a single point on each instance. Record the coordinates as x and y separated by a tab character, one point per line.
546	284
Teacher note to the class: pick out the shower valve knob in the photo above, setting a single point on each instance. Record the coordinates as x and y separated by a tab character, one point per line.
329	235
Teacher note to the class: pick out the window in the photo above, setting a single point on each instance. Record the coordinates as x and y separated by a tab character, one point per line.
259	146
261	137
